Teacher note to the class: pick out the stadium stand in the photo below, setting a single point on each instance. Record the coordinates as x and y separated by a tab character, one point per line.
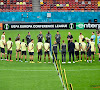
70	5
15	5
50	5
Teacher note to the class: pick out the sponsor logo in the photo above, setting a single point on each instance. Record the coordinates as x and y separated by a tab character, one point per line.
79	25
91	25
71	26
6	26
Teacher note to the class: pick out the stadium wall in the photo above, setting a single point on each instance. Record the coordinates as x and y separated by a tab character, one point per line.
63	17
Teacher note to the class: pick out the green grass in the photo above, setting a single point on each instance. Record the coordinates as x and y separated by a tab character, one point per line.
23	76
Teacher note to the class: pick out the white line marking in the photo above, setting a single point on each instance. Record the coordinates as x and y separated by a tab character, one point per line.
26	70
49	70
85	70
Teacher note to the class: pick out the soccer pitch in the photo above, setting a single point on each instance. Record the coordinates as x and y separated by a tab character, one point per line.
39	76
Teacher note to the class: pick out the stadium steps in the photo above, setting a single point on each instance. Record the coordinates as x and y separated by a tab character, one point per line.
36	5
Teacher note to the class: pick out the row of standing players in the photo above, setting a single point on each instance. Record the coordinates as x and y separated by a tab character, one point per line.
21	47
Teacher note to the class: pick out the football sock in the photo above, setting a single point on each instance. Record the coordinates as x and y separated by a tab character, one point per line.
10	57
1	57
19	58
7	56
99	58
25	59
16	58
38	57
78	57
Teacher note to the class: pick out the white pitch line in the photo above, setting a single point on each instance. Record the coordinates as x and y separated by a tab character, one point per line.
48	70
85	70
26	70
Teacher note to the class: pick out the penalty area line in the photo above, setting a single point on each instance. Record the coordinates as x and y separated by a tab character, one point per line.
26	70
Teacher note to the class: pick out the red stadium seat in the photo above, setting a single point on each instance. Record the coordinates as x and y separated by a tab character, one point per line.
77	6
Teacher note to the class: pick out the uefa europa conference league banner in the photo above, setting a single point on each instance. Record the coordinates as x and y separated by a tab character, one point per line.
11	26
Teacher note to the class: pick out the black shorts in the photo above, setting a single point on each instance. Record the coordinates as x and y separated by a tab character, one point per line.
92	53
46	53
88	53
82	52
40	52
18	51
23	52
2	50
9	52
63	53
31	53
76	53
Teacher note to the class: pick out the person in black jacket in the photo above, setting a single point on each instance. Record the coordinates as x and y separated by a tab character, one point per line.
71	48
28	38
54	49
63	51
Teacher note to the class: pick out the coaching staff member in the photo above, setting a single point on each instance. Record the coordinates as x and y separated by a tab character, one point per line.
71	48
48	36
28	38
40	37
18	37
58	37
69	37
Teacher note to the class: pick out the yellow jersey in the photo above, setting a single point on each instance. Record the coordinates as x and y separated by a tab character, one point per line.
92	46
76	46
3	36
80	38
23	46
46	46
39	45
9	43
2	43
83	45
18	43
31	45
